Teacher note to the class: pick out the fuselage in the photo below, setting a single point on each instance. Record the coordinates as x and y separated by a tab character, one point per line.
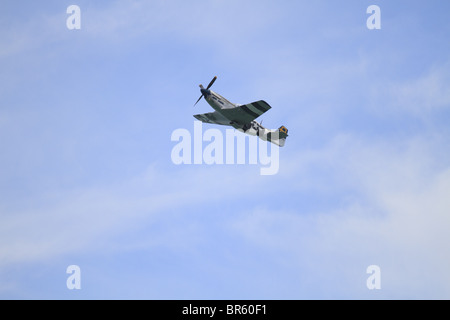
219	103
216	101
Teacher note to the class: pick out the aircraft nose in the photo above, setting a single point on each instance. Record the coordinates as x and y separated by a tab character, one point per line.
205	92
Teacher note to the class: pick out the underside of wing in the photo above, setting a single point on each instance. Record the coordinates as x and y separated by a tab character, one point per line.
212	117
246	113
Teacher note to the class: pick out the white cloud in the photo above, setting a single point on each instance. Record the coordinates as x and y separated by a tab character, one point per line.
432	91
421	96
88	218
216	22
397	220
226	24
36	31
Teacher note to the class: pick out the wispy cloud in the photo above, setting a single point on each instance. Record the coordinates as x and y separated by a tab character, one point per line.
215	22
85	219
395	215
425	94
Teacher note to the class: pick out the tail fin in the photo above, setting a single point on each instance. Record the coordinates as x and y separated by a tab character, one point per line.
280	137
283	132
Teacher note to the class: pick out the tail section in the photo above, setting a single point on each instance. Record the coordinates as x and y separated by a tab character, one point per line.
283	132
279	136
276	136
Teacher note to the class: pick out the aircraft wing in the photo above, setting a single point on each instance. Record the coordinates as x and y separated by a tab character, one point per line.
246	113
212	117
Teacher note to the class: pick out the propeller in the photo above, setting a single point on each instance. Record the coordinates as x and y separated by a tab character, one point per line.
211	83
203	90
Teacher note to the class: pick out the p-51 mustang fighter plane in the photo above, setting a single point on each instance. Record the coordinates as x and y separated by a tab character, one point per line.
241	117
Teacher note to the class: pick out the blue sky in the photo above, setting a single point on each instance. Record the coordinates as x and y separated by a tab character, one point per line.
86	176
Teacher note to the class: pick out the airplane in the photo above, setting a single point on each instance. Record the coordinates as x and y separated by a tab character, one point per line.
241	117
